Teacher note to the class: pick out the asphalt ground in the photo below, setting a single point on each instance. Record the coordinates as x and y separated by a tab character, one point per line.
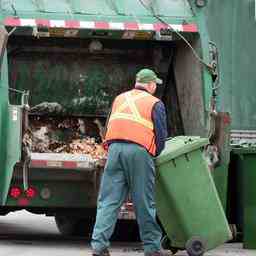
26	234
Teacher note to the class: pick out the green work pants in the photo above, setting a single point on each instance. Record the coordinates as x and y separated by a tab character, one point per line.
129	169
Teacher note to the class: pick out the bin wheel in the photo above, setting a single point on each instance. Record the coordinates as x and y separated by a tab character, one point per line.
166	245
195	246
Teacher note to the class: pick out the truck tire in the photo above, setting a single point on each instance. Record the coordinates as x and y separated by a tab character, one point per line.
66	225
126	230
4	212
72	226
85	227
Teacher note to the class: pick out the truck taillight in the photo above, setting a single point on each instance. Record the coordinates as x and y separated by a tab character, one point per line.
31	193
15	192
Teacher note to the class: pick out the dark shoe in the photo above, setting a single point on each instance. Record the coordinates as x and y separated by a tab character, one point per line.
105	252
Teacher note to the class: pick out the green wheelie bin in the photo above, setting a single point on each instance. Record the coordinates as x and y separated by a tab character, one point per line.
187	201
246	193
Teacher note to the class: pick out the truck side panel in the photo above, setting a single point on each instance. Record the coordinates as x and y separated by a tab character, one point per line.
236	43
10	135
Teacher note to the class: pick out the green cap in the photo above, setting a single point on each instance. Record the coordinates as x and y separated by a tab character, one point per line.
147	75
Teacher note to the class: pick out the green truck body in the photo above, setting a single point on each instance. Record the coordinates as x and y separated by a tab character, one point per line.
81	55
235	43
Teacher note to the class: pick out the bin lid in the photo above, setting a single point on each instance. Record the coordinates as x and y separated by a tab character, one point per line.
180	145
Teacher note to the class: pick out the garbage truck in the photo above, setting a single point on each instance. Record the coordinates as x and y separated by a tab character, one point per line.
62	64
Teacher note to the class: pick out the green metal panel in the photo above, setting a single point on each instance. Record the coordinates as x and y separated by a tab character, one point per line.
175	8
10	129
3	120
13	144
18	5
82	189
236	42
97	7
10	137
77	195
161	7
207	78
50	6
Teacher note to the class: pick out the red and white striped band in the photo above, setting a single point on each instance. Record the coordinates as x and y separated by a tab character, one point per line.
75	24
59	164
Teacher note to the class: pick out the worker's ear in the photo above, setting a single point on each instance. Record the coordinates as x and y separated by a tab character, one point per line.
152	87
155	86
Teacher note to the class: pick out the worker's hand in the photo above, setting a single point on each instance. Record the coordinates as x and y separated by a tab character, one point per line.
101	162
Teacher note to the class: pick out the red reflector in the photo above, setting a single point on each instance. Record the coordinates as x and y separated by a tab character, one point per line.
30	192
15	192
23	202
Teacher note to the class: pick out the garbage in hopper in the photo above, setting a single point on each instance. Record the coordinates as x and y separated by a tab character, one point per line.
65	135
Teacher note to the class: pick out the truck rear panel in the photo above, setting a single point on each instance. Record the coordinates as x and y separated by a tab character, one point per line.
80	64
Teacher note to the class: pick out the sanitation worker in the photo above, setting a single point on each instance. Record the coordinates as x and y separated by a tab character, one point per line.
136	132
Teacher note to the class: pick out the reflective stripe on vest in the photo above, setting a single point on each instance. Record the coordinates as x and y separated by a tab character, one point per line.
131	119
135	115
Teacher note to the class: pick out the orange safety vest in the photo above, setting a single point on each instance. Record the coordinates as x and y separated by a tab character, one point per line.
131	119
